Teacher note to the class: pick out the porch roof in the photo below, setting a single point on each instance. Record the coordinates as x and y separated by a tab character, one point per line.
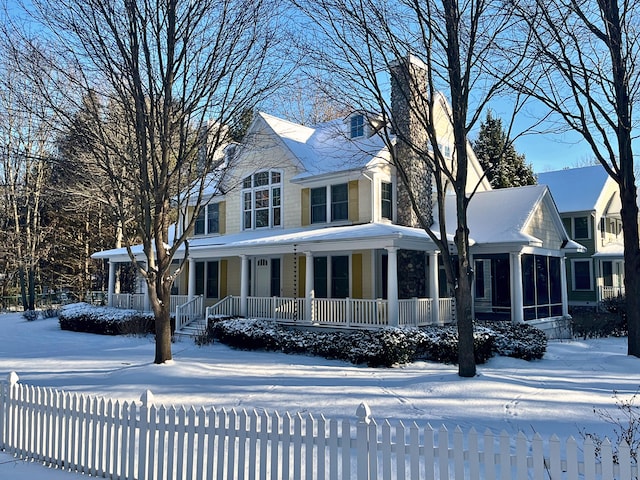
614	249
323	239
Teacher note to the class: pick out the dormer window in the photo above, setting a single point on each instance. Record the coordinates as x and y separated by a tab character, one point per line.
357	126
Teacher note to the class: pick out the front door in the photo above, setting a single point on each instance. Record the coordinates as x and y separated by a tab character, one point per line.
262	287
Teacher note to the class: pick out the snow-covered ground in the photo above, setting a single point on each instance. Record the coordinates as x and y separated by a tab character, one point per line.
557	394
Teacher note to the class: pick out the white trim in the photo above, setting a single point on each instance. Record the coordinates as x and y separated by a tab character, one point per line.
589	228
573	274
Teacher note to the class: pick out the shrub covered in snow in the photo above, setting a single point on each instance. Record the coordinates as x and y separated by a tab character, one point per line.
31	315
82	317
383	347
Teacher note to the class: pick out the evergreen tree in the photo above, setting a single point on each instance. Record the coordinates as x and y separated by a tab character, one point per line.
503	165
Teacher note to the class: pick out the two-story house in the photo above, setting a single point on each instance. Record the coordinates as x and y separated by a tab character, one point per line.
307	227
588	200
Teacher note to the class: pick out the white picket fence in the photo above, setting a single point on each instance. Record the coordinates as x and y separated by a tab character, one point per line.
106	438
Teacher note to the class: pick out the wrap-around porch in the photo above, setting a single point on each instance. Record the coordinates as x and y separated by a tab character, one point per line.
345	311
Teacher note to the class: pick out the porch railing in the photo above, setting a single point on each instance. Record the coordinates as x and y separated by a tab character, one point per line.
447	310
278	308
415	312
133	301
189	312
611	292
339	312
227	307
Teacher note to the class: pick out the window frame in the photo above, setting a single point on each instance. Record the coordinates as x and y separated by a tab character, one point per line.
386	202
261	200
326	210
588	227
203	223
589	262
357	126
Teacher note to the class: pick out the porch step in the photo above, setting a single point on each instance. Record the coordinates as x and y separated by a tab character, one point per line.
191	330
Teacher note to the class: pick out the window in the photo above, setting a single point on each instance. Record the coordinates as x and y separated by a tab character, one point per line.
386	197
542	289
319	205
338	202
479	278
262	200
607	273
331	274
581	227
357	126
207	279
581	274
208	220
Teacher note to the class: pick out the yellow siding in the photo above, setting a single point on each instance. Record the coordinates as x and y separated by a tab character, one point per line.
302	269
354	208
234	269
222	219
305	207
223	279
356	274
367	273
364	194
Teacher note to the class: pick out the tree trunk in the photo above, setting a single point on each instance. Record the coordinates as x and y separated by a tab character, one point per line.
32	288
466	354
631	267
161	304
23	288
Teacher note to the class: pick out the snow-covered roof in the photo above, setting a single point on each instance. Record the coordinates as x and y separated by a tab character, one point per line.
614	249
576	189
326	148
368	235
501	216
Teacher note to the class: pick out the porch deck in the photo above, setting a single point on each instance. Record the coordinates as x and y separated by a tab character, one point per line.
336	312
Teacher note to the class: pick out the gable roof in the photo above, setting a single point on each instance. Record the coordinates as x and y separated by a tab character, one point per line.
326	148
576	189
502	215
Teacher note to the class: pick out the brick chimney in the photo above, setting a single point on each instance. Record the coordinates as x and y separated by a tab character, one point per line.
409	107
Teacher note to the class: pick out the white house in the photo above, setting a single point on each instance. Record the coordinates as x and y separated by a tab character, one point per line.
588	200
306	228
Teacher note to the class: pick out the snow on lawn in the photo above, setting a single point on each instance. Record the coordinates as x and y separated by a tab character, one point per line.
557	394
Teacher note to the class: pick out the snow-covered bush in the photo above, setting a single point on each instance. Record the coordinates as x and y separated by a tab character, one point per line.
518	340
31	315
82	317
384	347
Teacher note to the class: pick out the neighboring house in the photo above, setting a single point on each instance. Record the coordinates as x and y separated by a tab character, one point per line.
588	200
314	226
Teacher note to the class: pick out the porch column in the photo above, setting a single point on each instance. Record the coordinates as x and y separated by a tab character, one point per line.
309	287
392	285
244	285
563	284
434	287
191	286
112	283
517	302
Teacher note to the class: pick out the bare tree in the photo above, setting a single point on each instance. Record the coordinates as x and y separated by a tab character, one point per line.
164	75
26	142
584	68
455	45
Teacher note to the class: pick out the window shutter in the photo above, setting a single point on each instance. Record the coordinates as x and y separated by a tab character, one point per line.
222	218
305	207
354	205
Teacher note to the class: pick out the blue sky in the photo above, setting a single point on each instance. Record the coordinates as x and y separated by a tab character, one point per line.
547	152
